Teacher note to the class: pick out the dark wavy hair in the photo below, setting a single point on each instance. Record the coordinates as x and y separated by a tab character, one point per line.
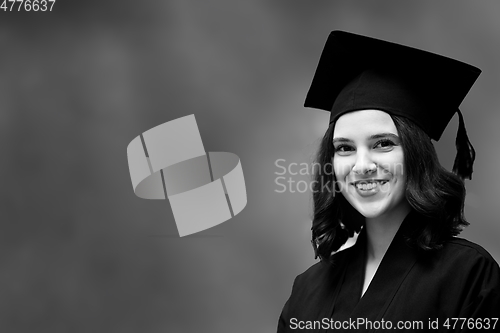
431	190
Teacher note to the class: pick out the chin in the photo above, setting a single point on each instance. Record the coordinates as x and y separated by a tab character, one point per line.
369	212
382	207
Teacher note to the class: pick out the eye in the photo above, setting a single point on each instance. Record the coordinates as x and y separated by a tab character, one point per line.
344	149
384	144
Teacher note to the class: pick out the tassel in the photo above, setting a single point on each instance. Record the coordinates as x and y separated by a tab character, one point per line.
465	152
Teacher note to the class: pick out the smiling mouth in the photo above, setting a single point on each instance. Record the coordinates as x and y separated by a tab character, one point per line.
366	185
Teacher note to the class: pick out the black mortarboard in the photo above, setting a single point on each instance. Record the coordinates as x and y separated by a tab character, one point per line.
357	72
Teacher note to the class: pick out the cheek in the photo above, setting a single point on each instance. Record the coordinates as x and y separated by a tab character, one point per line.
394	165
398	173
340	168
401	176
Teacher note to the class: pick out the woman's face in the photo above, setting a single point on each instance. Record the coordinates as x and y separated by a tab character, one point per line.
369	163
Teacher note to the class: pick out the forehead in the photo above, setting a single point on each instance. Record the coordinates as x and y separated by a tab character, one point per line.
364	123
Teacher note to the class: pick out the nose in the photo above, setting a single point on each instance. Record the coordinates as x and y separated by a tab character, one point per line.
364	164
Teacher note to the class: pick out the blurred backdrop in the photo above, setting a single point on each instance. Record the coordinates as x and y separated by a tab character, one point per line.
79	252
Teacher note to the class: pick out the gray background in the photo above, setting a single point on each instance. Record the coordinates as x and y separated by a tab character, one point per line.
79	252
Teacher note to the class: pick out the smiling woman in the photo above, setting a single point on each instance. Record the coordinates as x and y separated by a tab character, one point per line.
407	265
369	164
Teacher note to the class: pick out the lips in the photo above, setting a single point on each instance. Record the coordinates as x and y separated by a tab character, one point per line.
369	187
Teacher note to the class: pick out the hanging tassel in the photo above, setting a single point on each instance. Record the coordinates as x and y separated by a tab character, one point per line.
465	152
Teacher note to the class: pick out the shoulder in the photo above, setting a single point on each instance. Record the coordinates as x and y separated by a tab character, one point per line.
460	257
313	289
462	249
473	268
324	270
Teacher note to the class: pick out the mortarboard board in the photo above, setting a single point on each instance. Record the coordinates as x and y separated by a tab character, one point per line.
357	73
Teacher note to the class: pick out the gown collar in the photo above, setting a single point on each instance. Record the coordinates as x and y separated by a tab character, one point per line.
392	271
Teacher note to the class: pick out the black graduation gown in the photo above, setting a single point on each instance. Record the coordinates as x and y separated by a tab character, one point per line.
461	280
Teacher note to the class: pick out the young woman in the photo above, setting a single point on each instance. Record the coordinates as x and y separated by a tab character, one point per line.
407	271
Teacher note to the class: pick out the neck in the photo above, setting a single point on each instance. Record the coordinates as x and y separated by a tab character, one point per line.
381	230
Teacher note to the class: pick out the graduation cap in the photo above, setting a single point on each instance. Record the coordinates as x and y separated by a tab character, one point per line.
357	73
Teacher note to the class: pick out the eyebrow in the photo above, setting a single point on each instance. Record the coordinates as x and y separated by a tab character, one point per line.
372	137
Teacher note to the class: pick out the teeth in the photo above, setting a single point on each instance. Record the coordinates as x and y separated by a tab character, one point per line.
369	186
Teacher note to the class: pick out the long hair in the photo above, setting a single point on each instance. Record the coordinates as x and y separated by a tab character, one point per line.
431	190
